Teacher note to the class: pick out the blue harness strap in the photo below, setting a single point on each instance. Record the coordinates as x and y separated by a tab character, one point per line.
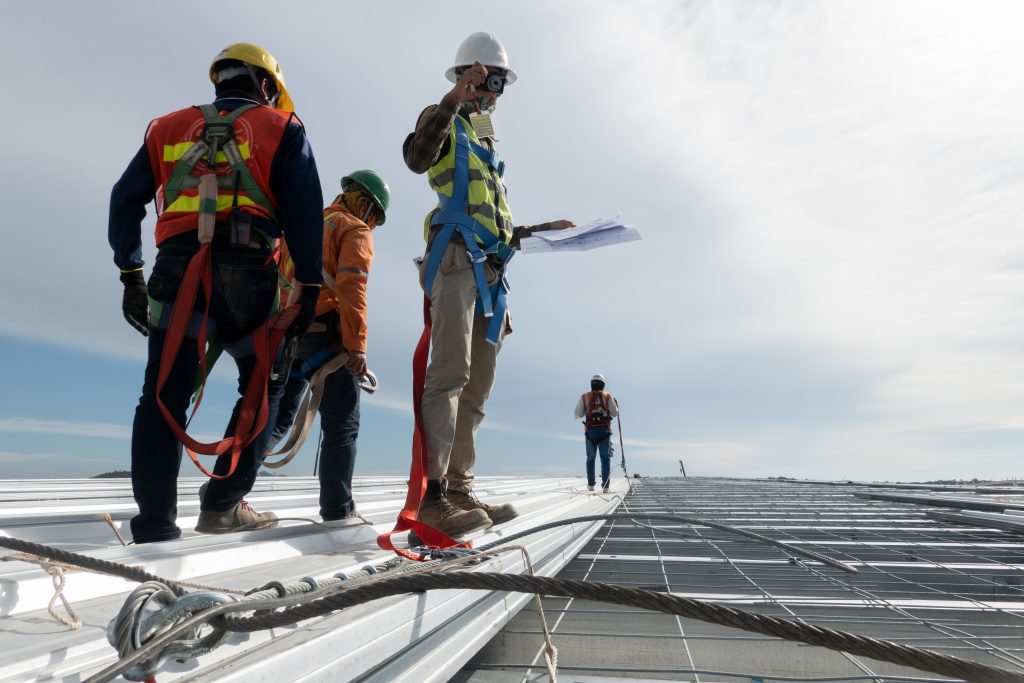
451	215
306	369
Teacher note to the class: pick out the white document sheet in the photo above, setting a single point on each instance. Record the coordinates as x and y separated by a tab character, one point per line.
599	233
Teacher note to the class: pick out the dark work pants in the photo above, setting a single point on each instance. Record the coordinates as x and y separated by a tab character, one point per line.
339	420
244	287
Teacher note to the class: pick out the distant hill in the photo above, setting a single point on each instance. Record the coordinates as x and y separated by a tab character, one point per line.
116	474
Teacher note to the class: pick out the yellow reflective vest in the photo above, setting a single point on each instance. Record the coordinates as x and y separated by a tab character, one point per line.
486	201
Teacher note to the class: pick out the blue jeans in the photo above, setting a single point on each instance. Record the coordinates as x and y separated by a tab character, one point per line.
244	290
339	420
603	439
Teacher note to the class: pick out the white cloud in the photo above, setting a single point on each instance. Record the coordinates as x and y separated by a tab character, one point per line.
390	402
95	430
99	430
9	456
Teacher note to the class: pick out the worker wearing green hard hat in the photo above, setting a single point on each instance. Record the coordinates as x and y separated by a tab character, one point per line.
374	185
331	356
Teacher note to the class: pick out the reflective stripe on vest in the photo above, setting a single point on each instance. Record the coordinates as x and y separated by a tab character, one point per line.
480	240
177	138
175	152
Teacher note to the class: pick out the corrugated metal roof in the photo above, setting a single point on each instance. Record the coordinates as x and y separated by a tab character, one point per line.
412	637
934	572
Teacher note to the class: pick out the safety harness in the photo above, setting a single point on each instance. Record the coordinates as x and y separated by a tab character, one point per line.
182	320
491	302
218	136
596	414
480	242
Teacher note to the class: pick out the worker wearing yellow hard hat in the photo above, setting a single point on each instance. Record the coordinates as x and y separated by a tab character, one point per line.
254	57
229	179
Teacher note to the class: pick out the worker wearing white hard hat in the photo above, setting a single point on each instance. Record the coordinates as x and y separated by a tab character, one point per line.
470	237
597	408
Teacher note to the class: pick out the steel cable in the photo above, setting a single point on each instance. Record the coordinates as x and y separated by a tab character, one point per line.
786	629
224	617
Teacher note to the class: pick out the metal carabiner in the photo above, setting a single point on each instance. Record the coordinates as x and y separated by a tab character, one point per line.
368	382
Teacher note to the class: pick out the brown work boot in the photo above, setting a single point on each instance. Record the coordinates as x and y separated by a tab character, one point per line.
438	511
499	514
239	518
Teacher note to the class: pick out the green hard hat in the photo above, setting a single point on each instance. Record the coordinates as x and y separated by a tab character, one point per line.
375	185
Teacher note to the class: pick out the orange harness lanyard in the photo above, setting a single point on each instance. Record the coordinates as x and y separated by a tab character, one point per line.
408	517
266	339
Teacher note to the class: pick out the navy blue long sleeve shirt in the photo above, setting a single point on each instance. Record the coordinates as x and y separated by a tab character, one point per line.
293	180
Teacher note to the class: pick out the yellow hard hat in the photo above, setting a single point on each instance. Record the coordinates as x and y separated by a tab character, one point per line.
251	53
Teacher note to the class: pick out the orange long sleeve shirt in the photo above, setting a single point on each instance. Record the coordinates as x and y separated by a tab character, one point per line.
348	253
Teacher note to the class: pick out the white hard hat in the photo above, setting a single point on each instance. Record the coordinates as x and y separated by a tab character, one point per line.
597	378
484	48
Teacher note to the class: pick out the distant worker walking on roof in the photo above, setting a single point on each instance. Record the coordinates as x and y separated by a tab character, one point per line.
597	408
339	328
470	239
242	170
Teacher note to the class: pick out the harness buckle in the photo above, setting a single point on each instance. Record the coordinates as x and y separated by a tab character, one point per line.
479	257
218	133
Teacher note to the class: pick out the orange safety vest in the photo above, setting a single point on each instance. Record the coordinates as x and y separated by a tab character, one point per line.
595	410
257	134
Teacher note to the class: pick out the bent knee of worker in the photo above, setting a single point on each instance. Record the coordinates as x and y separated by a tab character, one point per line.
448	385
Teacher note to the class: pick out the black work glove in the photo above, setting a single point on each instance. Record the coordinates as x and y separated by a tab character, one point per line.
135	303
307	312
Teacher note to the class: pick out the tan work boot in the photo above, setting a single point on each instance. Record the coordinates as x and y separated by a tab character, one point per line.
239	518
438	511
499	514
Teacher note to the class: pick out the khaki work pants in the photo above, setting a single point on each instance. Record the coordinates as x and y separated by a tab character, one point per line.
461	370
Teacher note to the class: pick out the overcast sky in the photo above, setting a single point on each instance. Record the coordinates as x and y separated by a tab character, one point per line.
829	284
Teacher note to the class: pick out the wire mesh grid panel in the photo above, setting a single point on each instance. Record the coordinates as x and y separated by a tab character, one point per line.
953	588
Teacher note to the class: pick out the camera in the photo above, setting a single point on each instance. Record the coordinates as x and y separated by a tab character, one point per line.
494	83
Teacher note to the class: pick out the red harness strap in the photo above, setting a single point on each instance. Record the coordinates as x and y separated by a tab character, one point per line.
407	518
266	339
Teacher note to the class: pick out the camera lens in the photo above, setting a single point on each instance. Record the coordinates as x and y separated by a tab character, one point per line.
495	82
